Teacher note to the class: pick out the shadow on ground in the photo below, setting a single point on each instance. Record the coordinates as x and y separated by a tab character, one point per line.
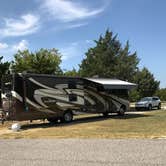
82	120
132	109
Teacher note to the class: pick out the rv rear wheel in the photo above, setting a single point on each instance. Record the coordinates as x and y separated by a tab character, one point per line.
121	111
67	117
105	114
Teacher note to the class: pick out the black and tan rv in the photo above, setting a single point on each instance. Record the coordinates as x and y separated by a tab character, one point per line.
36	96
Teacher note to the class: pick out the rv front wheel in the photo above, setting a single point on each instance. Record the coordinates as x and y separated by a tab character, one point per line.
105	114
67	117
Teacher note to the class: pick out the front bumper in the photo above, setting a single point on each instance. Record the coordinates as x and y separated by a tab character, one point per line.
141	107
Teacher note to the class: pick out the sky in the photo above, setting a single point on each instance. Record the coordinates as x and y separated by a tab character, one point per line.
71	26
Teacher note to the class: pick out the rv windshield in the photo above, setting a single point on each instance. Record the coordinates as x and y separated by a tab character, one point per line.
6	84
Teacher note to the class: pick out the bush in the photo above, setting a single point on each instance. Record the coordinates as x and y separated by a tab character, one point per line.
162	94
134	95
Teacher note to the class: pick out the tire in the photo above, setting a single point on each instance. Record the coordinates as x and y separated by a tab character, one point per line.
150	107
159	106
67	117
121	111
105	114
53	120
137	109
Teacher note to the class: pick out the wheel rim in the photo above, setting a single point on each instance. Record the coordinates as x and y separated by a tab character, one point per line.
150	107
159	106
68	117
121	111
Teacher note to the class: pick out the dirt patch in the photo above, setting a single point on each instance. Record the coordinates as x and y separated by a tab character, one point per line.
164	107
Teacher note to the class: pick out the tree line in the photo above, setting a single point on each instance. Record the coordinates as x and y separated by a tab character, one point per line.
107	59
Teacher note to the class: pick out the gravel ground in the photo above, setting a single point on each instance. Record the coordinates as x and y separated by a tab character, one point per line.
82	152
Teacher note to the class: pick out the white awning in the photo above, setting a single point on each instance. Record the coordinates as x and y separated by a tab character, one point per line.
113	83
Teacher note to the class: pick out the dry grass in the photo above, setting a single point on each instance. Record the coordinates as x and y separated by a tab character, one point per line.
164	104
132	125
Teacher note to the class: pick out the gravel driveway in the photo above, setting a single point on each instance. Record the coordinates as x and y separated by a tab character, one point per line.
82	152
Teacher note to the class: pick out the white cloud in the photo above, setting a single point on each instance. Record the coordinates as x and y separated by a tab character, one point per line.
70	51
10	49
75	49
75	25
22	45
3	45
66	26
74	44
89	41
26	24
67	11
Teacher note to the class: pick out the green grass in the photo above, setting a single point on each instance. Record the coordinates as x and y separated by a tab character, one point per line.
151	124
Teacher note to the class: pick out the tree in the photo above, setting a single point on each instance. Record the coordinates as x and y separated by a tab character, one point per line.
109	59
161	93
4	67
134	95
44	61
72	73
127	63
146	83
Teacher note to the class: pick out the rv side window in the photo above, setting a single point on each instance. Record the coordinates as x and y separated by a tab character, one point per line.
72	85
122	93
72	97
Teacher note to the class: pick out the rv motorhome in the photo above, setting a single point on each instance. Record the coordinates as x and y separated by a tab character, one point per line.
38	96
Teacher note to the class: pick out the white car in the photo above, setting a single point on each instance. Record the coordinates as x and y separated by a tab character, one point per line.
148	103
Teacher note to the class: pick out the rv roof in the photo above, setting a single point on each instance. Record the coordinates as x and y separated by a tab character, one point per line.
112	83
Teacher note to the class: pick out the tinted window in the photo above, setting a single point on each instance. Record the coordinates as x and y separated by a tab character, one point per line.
72	85
72	97
18	85
122	93
146	99
155	98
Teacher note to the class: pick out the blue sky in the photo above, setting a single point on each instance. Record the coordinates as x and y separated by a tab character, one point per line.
71	26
